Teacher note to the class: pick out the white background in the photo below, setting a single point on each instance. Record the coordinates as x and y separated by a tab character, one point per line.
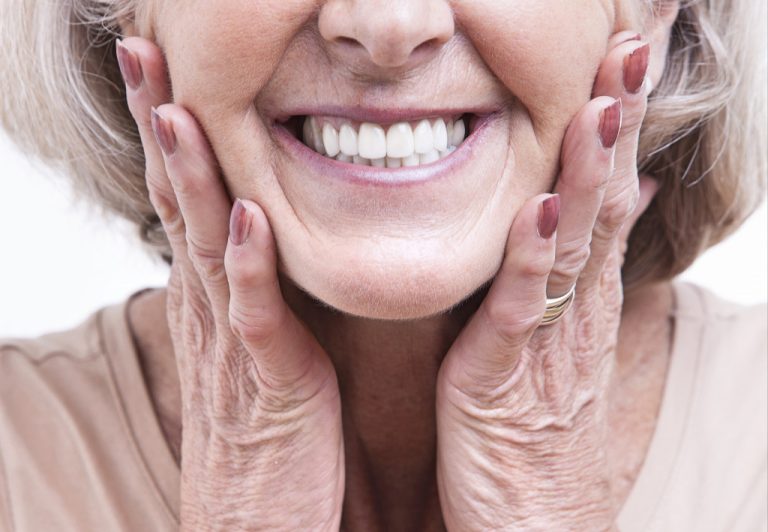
60	260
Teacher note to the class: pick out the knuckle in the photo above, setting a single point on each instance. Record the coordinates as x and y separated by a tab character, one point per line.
605	233
512	321
175	228
537	266
139	107
160	196
571	258
243	272
254	328
617	209
185	184
140	111
157	180
164	203
633	116
198	323
208	262
190	183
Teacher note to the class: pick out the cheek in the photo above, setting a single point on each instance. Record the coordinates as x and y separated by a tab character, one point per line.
220	54
546	52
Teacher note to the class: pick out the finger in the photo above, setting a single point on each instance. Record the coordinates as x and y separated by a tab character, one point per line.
623	75
487	351
286	357
143	69
201	195
587	163
622	37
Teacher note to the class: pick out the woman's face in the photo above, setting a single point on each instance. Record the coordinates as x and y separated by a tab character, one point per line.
387	243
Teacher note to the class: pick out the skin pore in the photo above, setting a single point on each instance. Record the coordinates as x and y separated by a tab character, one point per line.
397	254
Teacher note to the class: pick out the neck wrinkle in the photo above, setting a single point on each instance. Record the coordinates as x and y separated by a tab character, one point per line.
387	373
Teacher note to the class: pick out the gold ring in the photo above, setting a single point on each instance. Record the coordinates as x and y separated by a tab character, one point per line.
557	306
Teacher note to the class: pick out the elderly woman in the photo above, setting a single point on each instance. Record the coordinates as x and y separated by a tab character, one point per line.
421	272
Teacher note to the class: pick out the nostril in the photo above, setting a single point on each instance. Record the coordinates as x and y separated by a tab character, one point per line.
348	41
386	34
427	46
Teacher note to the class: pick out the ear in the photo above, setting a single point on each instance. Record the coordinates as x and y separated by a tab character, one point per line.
658	29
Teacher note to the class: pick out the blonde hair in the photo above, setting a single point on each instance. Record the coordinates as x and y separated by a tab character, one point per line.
63	102
704	137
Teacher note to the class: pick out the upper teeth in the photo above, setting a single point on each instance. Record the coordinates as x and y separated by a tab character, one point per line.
402	144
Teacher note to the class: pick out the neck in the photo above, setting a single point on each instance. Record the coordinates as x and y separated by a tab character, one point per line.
387	372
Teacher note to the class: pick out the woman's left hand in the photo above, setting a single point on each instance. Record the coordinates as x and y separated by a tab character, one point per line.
521	408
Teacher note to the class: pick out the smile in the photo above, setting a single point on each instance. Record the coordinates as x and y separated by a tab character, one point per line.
384	146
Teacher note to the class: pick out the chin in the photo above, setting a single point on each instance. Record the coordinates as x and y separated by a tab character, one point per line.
392	290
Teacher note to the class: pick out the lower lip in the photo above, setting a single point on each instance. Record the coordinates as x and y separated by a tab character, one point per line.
355	174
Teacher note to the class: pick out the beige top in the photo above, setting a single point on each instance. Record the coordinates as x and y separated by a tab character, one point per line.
82	450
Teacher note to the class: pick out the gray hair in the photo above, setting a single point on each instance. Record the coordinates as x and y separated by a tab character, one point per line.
704	137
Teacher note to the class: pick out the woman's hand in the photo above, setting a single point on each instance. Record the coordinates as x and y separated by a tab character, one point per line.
262	445
521	409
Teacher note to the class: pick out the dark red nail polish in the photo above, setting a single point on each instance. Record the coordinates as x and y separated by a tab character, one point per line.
635	67
549	215
164	134
610	124
239	226
130	67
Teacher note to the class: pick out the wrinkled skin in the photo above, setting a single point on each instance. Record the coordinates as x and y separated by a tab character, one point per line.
521	410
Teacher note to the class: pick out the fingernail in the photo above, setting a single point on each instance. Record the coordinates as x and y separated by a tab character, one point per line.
635	67
239	226
549	215
610	124
164	134
635	37
130	67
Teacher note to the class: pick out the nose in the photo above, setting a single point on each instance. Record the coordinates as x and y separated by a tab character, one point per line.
387	33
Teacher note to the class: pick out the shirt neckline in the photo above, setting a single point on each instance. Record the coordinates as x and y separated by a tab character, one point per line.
159	464
665	446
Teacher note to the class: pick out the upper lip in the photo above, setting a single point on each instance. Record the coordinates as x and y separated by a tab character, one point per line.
382	115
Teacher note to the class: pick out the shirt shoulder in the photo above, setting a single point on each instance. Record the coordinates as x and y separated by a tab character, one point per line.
66	435
732	344
725	434
698	302
52	375
78	343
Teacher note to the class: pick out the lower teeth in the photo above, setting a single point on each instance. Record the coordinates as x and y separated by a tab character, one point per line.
396	162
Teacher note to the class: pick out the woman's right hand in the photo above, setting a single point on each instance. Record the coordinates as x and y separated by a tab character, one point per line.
262	444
